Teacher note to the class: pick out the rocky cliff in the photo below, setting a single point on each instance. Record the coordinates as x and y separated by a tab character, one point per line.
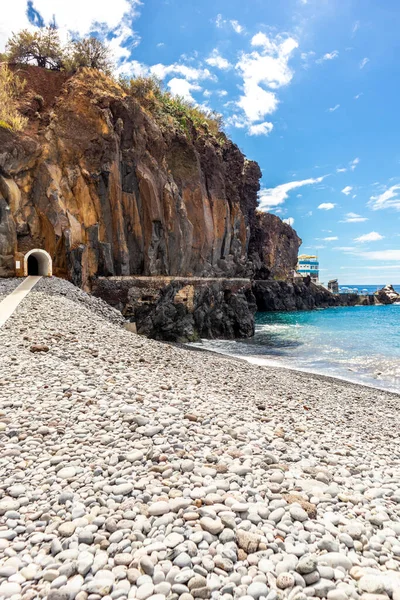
177	309
387	295
274	247
99	184
303	294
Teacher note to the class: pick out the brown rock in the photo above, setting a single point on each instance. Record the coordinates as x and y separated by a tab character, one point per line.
241	554
310	508
106	189
191	417
247	541
39	348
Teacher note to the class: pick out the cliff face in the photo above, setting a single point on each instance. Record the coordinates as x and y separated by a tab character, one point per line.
181	310
98	184
274	247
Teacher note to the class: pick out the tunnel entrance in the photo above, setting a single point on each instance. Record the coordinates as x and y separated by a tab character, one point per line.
38	262
33	265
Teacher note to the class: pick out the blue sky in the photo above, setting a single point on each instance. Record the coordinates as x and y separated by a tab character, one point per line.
308	88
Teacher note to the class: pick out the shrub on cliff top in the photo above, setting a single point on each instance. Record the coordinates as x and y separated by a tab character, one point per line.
89	52
41	47
11	87
171	110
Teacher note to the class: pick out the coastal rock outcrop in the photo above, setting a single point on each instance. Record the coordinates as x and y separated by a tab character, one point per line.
100	184
182	309
299	294
387	295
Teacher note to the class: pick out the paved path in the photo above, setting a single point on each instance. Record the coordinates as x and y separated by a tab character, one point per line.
9	304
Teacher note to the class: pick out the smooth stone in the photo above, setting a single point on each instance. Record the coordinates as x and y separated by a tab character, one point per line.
334	560
159	508
285	581
213	526
8	589
145	591
257	589
67	473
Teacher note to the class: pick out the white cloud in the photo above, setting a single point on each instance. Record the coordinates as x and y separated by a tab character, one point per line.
354	163
334	108
364	62
358	95
344	248
222	93
390	198
236	26
328	56
356	27
346	190
341	170
307	57
381	255
289	221
182	87
191	73
133	68
260	129
74	16
219	21
117	43
238	121
354	218
207	93
161	71
257	102
267	68
274	196
216	60
326	206
374	236
330	239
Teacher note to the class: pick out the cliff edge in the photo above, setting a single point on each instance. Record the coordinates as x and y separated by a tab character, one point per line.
108	189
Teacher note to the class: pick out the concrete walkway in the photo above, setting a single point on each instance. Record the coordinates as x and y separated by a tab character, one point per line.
9	304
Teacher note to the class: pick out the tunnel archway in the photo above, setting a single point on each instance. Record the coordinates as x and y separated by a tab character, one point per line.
33	265
38	262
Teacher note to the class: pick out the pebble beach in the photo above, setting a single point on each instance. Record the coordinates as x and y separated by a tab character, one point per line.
131	468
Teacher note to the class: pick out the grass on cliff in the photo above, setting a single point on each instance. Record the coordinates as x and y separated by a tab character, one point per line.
11	88
172	111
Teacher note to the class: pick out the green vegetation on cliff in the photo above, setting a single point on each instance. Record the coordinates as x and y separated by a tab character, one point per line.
44	48
171	110
11	88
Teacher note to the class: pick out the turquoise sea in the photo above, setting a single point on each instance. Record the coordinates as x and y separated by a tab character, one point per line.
360	343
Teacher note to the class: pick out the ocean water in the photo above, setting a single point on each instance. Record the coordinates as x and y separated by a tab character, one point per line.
359	344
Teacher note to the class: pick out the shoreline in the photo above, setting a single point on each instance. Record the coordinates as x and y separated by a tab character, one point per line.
269	364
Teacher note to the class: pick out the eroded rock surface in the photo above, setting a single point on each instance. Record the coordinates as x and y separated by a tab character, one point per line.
182	309
106	191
